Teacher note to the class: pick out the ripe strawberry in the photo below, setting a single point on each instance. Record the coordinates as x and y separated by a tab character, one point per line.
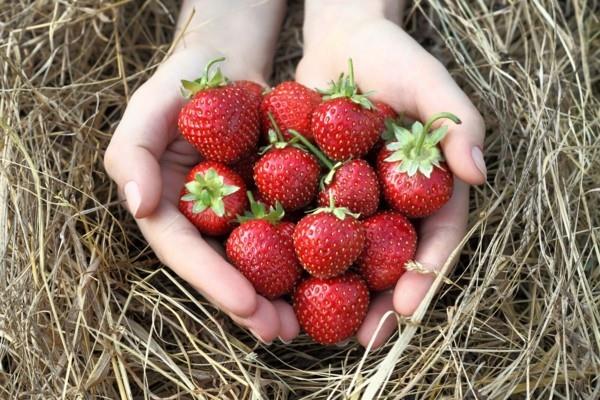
252	87
221	120
286	174
331	310
389	115
384	110
291	105
345	125
391	241
212	197
327	242
245	168
353	185
261	248
415	181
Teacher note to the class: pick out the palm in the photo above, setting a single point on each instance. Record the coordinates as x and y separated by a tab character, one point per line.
401	73
175	163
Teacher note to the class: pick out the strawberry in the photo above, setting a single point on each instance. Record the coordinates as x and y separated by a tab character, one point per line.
331	310
221	120
391	241
353	185
291	105
345	125
261	248
327	242
384	110
389	115
212	197
255	89
245	168
287	174
415	181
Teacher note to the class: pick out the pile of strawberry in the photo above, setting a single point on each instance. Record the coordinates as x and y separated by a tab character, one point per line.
314	154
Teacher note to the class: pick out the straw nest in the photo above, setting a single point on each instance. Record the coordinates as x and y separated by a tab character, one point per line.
87	311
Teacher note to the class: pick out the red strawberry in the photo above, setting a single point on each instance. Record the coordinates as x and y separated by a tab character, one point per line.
353	185
291	105
261	248
328	241
286	174
252	87
345	125
389	115
415	181
221	120
331	310
245	168
384	110
391	241
212	198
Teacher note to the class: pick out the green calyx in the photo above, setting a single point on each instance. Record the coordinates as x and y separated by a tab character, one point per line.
339	212
259	211
206	81
345	87
418	149
207	190
388	133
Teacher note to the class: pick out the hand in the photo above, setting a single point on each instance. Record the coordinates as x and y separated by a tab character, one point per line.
401	73
149	159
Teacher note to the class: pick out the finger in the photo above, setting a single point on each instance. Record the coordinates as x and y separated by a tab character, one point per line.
439	235
381	304
263	323
289	327
178	244
142	136
463	144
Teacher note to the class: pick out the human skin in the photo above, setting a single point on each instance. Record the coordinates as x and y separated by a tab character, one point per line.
148	159
401	73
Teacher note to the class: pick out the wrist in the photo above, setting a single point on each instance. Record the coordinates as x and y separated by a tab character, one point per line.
333	19
243	31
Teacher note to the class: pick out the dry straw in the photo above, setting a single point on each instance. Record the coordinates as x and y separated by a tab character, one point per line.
87	311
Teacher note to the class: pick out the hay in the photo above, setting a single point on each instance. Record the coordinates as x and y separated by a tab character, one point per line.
87	310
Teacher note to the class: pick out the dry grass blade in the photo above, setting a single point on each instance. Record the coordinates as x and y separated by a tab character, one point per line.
87	310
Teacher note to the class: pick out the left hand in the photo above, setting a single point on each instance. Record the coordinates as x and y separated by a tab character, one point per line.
404	75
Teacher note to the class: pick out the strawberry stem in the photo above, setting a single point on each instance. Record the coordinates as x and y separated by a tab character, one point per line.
190	88
312	148
211	63
276	128
427	127
345	87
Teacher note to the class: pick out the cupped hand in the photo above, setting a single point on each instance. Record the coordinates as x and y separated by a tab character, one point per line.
401	73
148	159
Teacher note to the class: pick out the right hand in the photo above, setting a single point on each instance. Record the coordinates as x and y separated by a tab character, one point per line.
148	159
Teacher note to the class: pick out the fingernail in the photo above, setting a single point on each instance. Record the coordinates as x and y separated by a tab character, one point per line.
343	344
478	160
284	341
256	335
132	195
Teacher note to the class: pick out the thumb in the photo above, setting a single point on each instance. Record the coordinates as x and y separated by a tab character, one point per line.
463	144
139	141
